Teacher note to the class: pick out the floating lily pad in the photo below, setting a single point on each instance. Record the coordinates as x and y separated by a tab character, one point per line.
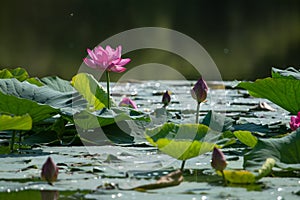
284	150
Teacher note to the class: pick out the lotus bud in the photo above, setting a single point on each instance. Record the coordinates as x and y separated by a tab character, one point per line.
166	98
218	160
126	102
49	171
295	122
199	91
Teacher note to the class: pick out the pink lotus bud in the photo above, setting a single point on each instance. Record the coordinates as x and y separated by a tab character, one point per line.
199	91
126	102
218	160
166	98
49	171
295	122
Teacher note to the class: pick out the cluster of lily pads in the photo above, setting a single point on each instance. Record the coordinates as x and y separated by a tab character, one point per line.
50	111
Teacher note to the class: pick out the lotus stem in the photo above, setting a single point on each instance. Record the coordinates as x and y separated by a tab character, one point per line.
182	165
197	113
12	142
107	86
224	179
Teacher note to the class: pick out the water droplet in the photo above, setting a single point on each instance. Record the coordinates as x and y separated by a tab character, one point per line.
71	14
119	195
226	51
113	196
279	189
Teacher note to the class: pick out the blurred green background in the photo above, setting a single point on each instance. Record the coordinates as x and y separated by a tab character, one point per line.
244	38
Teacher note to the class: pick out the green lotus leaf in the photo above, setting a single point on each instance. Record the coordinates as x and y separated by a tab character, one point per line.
246	138
182	141
91	90
285	151
30	95
8	122
57	84
181	149
18	73
18	106
281	91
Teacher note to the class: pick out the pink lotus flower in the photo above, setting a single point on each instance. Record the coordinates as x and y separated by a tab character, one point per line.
106	59
199	91
49	171
218	160
295	122
166	98
126	102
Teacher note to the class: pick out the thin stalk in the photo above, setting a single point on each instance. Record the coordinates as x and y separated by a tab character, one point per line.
182	165
197	113
12	142
20	139
107	86
224	179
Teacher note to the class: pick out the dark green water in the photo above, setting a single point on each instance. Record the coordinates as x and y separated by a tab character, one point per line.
244	38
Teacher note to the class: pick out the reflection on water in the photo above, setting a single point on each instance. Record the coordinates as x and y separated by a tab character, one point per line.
244	38
49	195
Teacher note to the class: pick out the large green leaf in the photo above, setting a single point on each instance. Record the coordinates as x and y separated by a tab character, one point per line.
182	149
284	150
18	106
182	141
281	91
104	117
68	102
8	122
58	84
91	90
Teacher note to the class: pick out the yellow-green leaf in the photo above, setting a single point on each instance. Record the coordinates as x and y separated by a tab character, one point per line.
8	122
91	90
246	138
182	141
239	176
